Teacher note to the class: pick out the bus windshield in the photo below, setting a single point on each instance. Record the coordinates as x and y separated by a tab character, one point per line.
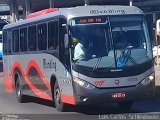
110	42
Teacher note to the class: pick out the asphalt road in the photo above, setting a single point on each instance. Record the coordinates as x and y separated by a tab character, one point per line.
36	108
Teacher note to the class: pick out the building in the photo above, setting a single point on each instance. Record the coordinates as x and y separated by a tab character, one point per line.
19	9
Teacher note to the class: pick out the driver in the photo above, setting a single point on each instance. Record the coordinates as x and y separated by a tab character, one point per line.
80	49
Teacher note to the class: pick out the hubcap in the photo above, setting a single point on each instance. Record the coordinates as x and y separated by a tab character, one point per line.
57	96
18	90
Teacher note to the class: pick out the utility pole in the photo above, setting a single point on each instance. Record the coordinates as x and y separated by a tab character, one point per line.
86	2
130	2
14	11
51	3
27	7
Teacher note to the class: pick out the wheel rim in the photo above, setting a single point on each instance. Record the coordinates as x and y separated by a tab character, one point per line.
18	89
57	96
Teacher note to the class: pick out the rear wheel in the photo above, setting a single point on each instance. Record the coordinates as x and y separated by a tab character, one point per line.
18	89
57	99
125	105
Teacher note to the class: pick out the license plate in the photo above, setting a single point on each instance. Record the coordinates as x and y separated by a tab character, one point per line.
118	95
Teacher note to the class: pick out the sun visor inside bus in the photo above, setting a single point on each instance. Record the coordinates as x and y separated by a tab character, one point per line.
42	12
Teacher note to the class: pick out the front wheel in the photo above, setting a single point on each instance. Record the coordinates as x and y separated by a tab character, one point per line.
57	99
125	105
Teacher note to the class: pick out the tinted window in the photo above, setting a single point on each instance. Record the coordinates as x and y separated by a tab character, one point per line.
32	44
42	36
15	43
52	35
23	39
9	36
5	43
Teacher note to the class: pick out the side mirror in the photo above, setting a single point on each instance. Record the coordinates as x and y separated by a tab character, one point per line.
66	40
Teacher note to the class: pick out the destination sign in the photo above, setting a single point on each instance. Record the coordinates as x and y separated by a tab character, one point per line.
86	20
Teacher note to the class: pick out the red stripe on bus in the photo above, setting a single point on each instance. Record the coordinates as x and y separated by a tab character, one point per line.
38	92
67	99
8	83
42	12
32	63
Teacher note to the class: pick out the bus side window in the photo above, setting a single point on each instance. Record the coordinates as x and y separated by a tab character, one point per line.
15	43
23	39
9	37
52	35
42	36
4	42
32	44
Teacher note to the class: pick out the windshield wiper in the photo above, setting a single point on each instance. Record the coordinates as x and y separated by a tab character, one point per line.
125	57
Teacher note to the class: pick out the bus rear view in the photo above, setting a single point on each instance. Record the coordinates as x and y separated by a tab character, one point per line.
115	63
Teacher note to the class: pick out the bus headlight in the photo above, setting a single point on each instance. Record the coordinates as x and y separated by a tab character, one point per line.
148	79
83	83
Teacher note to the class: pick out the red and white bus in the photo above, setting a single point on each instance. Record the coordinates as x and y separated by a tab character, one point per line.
116	64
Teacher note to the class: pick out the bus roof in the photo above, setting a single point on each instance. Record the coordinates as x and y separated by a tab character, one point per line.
79	11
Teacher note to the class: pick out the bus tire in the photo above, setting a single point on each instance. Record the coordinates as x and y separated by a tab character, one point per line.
125	105
18	89
60	106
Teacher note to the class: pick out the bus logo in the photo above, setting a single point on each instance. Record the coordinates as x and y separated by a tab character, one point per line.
117	82
99	83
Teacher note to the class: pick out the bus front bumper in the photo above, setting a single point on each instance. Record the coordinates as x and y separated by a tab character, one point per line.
85	96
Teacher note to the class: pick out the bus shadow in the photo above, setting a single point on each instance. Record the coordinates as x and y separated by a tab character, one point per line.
29	99
90	110
145	106
109	108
